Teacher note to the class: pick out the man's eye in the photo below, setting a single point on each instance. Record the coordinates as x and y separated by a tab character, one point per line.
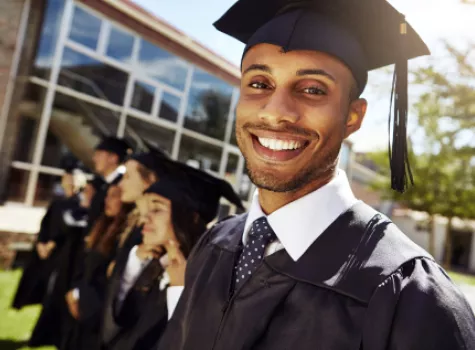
314	91
258	85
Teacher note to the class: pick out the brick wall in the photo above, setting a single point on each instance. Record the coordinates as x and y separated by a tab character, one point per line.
10	14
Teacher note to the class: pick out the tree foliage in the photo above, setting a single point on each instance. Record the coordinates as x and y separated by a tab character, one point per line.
444	168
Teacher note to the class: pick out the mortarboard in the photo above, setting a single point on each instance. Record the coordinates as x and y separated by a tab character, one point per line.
176	191
364	35
158	162
115	145
208	190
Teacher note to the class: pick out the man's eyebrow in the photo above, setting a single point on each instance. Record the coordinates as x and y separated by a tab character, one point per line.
303	72
258	67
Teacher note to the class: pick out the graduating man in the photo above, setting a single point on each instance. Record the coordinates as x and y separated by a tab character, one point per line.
310	266
108	156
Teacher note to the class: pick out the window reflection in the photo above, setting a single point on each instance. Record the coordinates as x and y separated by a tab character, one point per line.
120	45
208	105
85	28
49	35
198	152
30	113
87	75
233	139
169	107
154	135
162	65
75	128
143	97
48	187
17	185
231	169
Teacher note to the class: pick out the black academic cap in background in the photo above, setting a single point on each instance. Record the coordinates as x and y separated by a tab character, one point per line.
177	191
115	145
208	190
157	162
363	34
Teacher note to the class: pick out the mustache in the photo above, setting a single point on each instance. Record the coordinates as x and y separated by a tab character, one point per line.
287	128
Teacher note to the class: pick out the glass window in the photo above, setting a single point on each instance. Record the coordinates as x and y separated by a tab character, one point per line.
231	169
85	28
47	188
169	107
162	65
30	114
120	45
155	135
75	128
143	97
53	15
198	152
208	105
17	185
86	75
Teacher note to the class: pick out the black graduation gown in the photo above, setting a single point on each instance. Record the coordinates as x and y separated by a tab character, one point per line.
34	281
361	285
96	209
84	333
143	315
54	315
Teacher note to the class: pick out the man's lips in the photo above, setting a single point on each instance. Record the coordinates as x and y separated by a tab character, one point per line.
282	148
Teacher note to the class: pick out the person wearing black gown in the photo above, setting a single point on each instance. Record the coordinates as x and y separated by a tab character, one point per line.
147	283
51	237
53	316
108	157
101	245
309	266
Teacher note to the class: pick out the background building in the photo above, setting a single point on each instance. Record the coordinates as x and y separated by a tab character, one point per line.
76	70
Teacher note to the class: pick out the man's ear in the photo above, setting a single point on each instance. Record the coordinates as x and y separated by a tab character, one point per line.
356	114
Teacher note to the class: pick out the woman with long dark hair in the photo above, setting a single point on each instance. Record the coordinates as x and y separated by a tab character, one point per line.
101	245
172	227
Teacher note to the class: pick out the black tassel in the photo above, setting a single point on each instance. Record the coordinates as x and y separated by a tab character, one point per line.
398	149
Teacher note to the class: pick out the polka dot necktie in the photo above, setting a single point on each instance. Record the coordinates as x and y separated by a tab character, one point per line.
260	235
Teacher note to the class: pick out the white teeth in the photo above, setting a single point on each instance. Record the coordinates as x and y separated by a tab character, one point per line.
279	145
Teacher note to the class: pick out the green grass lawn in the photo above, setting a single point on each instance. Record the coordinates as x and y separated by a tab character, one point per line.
460	278
15	326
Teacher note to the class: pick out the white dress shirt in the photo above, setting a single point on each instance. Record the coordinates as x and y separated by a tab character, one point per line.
132	271
298	224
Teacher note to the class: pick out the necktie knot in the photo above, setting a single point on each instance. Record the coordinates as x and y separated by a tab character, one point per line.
261	230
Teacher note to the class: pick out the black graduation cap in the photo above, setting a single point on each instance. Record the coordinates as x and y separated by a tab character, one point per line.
115	145
156	161
177	191
208	190
363	34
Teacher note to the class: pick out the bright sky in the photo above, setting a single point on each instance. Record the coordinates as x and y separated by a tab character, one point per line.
435	20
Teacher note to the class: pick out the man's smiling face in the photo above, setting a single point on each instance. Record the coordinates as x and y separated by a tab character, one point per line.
294	112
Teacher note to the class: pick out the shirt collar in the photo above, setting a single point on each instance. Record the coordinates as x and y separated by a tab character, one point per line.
298	224
112	176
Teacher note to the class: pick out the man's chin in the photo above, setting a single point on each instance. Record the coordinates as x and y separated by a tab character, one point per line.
270	182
